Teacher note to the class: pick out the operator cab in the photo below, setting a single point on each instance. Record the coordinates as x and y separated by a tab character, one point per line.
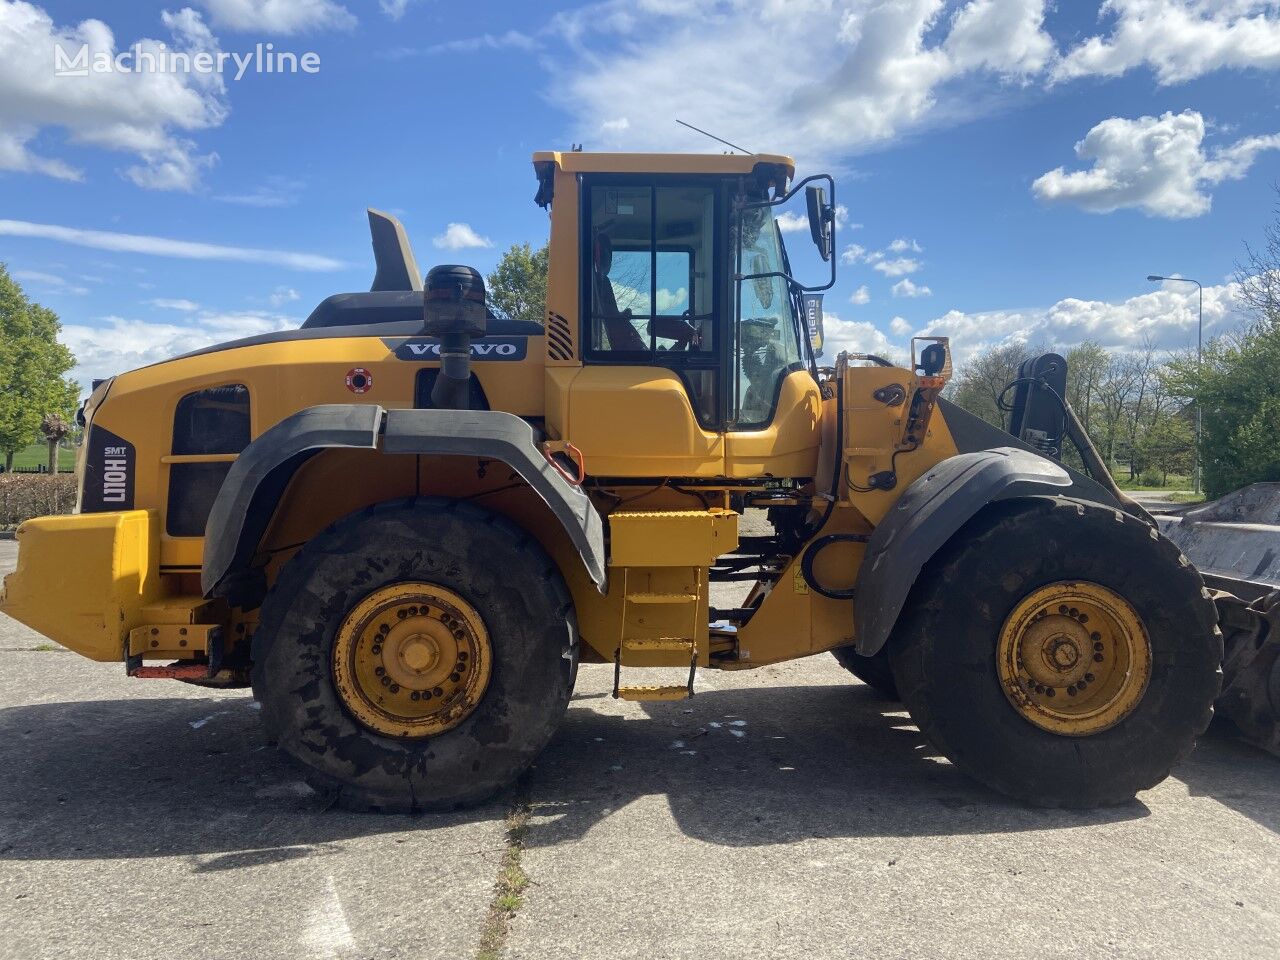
690	324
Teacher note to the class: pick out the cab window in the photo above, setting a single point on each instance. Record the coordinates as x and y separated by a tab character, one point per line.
652	281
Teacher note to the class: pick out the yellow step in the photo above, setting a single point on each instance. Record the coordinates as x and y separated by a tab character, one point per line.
662	598
652	693
657	652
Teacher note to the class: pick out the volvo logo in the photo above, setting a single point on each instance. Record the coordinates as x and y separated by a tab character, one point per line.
486	348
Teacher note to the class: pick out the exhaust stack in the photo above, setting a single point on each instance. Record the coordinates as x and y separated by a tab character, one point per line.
454	310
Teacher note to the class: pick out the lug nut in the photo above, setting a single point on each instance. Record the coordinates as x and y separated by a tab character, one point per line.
438	692
414	696
1088	678
1050	692
1095	636
386	681
1084	618
395	688
379	671
454	677
377	649
1097	647
1071	691
1074	612
1097	658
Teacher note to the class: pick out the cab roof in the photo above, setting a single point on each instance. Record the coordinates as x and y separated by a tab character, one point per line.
713	163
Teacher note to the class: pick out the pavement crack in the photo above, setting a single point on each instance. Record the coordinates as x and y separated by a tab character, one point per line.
512	881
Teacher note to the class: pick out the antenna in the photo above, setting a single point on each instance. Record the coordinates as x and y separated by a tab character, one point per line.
712	136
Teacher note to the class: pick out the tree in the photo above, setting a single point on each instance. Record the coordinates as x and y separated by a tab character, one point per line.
1167	445
981	380
518	285
33	367
1239	396
1235	386
54	429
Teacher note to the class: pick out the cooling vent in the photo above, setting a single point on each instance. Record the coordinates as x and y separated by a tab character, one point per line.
559	341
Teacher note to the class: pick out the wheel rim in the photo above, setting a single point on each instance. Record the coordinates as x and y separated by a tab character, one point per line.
1074	658
412	660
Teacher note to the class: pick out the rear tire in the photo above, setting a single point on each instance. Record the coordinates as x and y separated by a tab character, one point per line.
944	652
491	568
875	672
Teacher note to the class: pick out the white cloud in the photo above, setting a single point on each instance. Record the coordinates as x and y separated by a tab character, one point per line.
897	267
394	8
1155	164
902	245
283	295
616	126
121	344
791	222
49	281
164	303
460	236
870	69
1166	316
145	114
905	288
277	191
856	336
852	254
1179	39
860	296
281	16
166	247
900	327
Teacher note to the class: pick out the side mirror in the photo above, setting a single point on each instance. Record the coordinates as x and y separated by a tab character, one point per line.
821	221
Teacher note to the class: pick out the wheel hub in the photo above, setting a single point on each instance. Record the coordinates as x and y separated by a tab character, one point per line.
1074	658
412	660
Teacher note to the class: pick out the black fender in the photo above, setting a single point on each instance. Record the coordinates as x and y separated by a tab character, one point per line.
259	475
927	515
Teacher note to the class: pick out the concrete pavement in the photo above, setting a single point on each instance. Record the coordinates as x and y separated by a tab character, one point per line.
785	812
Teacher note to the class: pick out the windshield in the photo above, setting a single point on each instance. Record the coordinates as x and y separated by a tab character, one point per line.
767	343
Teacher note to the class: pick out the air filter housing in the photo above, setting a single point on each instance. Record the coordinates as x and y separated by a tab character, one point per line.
454	301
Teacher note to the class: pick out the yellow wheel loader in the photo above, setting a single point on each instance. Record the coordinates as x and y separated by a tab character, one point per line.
407	522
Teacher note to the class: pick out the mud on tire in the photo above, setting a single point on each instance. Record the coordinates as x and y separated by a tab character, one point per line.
509	580
943	651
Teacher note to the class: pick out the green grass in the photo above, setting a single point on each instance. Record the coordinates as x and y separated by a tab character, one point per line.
37	455
1175	482
1186	498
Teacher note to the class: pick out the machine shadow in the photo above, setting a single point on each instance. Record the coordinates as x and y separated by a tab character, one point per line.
741	767
171	777
1234	773
749	767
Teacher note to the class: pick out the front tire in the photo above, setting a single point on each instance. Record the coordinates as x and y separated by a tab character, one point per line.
1060	652
875	671
415	656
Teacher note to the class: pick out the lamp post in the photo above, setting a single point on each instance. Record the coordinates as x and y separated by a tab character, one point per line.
1199	356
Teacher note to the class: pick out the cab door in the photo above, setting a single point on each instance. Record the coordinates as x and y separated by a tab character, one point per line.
648	400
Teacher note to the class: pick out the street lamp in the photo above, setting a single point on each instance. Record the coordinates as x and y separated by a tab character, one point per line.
1199	355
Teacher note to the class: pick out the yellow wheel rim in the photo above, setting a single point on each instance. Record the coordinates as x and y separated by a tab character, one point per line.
1074	658
412	660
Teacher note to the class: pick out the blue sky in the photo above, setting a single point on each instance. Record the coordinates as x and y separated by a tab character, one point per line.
1011	169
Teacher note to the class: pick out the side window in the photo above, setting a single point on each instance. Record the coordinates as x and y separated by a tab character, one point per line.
209	428
652	276
767	342
212	421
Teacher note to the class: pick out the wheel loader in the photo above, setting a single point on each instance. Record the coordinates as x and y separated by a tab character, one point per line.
407	522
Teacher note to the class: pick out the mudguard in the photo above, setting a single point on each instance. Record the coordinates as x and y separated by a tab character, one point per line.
258	477
927	515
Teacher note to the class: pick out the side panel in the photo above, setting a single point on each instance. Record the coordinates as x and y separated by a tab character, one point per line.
927	515
637	422
788	447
